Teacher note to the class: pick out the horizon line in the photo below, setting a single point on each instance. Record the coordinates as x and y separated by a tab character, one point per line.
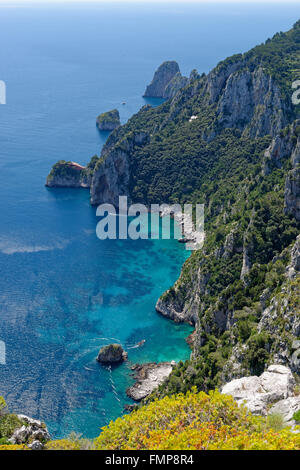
183	2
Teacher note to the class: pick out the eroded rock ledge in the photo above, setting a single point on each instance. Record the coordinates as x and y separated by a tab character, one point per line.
272	392
148	377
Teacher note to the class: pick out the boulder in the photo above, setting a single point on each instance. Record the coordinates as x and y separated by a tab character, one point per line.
33	432
258	393
286	408
111	354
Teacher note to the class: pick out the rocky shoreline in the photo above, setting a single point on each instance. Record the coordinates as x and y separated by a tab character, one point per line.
148	377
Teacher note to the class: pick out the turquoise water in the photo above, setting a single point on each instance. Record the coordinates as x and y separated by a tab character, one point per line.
64	293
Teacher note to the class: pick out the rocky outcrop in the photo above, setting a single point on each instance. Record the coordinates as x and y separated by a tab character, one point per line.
273	391
174	85
108	121
111	176
217	78
293	269
279	149
292	193
148	377
166	82
33	433
68	175
172	309
111	354
252	102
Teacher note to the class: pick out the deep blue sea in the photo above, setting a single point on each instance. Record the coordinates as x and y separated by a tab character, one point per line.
63	292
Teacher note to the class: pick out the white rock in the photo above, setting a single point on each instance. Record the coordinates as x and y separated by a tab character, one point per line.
287	408
36	445
276	383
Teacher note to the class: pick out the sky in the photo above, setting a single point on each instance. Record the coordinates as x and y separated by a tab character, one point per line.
14	2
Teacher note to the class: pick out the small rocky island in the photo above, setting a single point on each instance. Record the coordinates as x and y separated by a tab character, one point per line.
111	354
166	82
71	174
108	121
148	377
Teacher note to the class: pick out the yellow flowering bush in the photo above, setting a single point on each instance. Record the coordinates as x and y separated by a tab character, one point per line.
62	444
14	447
195	421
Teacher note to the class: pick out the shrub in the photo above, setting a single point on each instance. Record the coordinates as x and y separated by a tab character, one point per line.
195	421
296	416
8	423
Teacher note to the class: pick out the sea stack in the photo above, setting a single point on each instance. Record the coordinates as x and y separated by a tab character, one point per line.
111	354
167	78
108	121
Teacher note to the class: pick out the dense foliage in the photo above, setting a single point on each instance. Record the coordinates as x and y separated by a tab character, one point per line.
195	421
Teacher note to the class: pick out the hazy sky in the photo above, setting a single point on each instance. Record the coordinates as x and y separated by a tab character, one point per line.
14	2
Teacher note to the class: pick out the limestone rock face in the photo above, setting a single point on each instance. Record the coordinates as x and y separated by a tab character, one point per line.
280	148
252	102
174	85
33	432
111	179
257	393
108	121
176	310
294	267
148	377
162	78
292	193
286	408
111	354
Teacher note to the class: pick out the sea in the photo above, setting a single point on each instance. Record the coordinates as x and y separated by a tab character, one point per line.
63	292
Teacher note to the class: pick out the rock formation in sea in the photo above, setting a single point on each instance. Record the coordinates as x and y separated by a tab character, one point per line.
166	82
111	354
108	121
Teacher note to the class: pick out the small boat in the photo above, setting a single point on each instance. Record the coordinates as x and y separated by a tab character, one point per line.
124	102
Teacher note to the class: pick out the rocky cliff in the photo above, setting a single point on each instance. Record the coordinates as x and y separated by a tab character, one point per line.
230	140
166	82
68	175
111	175
108	121
174	85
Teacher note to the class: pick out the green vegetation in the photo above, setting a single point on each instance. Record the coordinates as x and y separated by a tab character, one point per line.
64	170
296	417
110	118
195	421
8	423
241	270
202	162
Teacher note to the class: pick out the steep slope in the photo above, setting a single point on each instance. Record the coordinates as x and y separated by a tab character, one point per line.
230	140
